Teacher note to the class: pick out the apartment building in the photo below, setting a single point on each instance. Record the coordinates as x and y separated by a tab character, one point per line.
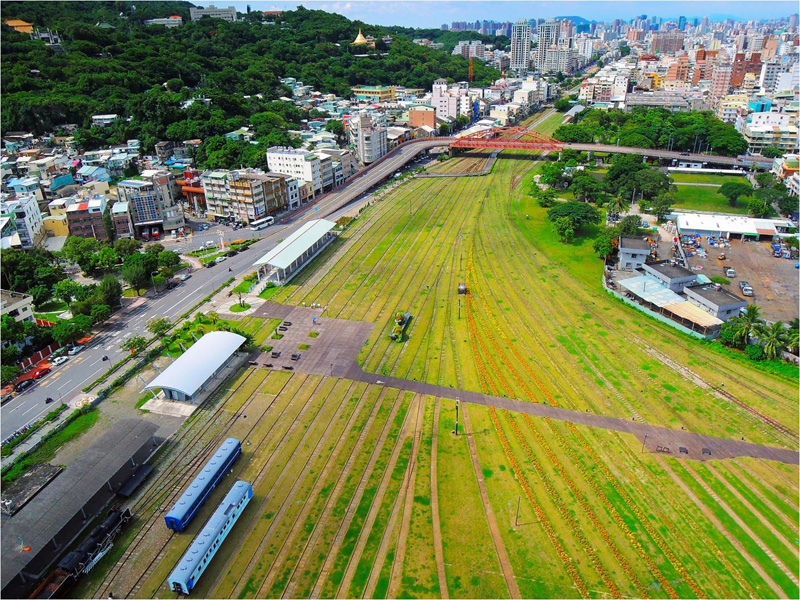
153	203
244	195
729	107
548	32
23	212
302	164
226	14
85	218
769	129
421	115
520	47
369	141
121	220
375	94
770	72
16	305
667	42
169	22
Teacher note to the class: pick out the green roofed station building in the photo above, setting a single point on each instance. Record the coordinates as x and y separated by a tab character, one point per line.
289	257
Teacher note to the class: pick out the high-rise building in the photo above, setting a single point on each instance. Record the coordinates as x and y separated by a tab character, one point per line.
667	42
682	23
548	36
721	78
369	141
520	47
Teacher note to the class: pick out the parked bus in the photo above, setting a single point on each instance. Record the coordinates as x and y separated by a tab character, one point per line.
261	223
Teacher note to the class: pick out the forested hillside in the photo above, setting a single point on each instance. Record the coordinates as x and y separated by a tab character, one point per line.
147	72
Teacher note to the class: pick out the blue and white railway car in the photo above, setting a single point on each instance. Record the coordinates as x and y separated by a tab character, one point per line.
192	499
191	566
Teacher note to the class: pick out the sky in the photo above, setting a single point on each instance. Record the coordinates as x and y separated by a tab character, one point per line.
421	13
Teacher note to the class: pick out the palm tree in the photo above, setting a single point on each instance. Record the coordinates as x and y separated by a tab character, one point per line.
618	205
773	337
747	324
793	336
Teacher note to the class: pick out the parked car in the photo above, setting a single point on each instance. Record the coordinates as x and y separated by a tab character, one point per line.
730	272
747	291
23	385
75	350
210	244
222	259
743	284
39	373
210	264
185	276
59	360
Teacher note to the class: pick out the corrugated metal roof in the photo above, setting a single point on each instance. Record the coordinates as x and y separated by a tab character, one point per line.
693	313
650	289
191	370
290	249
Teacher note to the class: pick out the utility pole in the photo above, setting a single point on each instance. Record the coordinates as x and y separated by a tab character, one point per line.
644	442
459	308
457	403
516	519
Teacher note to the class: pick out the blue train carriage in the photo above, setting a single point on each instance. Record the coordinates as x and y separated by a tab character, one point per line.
203	548
195	495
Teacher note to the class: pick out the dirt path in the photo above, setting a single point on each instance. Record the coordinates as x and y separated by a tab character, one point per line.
792	547
732	514
377	501
438	549
404	500
779	593
502	555
308	503
351	508
305	555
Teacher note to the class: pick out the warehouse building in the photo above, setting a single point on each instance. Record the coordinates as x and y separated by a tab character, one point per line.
195	369
732	226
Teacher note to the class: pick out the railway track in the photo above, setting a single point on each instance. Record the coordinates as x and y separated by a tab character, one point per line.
172	480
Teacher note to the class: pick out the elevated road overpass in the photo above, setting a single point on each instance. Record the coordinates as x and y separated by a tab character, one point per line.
517	139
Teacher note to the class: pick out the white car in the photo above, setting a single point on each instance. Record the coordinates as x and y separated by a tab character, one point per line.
222	259
74	350
59	361
185	276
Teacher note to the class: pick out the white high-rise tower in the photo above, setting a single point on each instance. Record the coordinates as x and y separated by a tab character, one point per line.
520	47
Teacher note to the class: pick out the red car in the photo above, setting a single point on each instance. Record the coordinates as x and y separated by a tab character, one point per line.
39	373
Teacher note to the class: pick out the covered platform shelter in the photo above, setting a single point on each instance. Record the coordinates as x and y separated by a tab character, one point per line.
288	258
196	367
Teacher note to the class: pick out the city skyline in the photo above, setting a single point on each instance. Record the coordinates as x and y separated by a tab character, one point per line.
425	14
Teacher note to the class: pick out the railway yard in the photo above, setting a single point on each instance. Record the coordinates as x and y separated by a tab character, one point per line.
366	490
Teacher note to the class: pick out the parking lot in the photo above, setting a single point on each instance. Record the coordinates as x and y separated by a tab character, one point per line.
774	280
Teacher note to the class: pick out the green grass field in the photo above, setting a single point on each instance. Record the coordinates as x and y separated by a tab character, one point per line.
709	179
691	197
365	491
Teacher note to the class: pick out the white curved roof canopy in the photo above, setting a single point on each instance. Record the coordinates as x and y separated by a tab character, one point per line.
193	368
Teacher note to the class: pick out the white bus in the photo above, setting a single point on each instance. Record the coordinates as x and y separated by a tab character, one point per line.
261	223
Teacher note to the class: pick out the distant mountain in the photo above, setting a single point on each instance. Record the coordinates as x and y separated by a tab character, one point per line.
576	20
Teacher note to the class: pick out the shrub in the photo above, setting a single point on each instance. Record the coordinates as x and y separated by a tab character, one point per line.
313	334
754	352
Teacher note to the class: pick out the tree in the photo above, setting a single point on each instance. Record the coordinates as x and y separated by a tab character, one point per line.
788	204
168	258
126	246
586	188
81	251
735	190
336	128
12	331
159	281
578	213
41	294
563	227
158	326
603	244
110	291
661	205
136	276
134	344
758	208
629	225
617	205
772	152
9	373
444	129
66	289
69	332
765	180
100	313
22	270
773	337
155	248
747	324
106	258
546	198
562	105
147	260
